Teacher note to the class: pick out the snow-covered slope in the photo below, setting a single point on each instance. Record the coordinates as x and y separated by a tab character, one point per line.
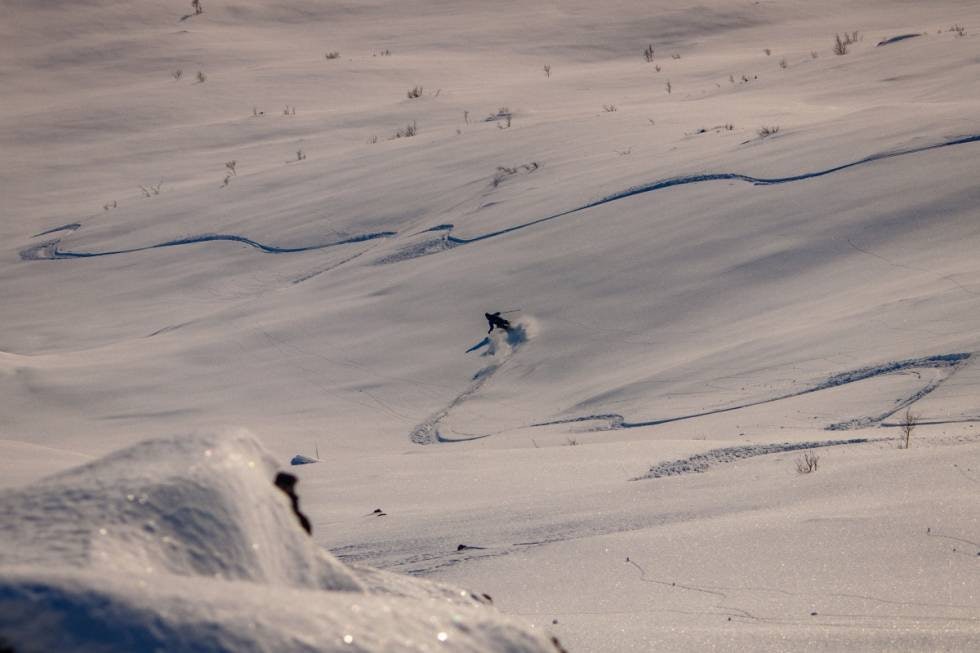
253	247
186	544
342	336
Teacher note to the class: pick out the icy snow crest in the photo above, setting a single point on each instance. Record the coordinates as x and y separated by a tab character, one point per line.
184	543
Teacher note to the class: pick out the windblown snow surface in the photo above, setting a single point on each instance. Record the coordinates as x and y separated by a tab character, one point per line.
186	544
290	218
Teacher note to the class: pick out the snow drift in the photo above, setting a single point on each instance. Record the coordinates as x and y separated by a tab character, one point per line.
186	544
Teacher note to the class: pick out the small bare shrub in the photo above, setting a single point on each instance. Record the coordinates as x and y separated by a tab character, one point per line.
466	117
814	54
407	132
110	205
657	67
502	113
783	64
503	172
547	71
675	56
807	463
150	191
300	155
841	44
414	92
201	77
731	78
571	442
231	166
909	421
958	29
196	6
372	140
177	74
767	51
765	132
609	108
668	87
332	55
648	53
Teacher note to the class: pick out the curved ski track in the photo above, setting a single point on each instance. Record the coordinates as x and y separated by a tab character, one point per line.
697	179
51	250
428	431
950	362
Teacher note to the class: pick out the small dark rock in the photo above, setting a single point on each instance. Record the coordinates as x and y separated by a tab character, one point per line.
287	483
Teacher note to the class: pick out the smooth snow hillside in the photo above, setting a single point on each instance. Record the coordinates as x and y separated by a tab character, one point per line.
185	544
343	338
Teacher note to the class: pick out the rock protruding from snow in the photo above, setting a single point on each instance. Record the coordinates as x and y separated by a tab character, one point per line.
186	544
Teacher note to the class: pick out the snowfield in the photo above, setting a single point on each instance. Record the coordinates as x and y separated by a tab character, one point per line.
283	223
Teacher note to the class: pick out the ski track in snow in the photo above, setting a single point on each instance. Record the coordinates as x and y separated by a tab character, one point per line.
700	462
502	350
428	431
51	250
944	365
948	362
697	179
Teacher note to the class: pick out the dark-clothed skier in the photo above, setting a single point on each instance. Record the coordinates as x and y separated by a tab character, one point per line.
496	321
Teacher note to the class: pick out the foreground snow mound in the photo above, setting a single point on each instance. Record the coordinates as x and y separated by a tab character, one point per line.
194	506
186	544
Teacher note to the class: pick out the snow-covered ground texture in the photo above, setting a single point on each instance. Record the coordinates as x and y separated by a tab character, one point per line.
746	247
185	544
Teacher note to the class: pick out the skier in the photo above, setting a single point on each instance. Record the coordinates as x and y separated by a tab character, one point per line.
496	321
